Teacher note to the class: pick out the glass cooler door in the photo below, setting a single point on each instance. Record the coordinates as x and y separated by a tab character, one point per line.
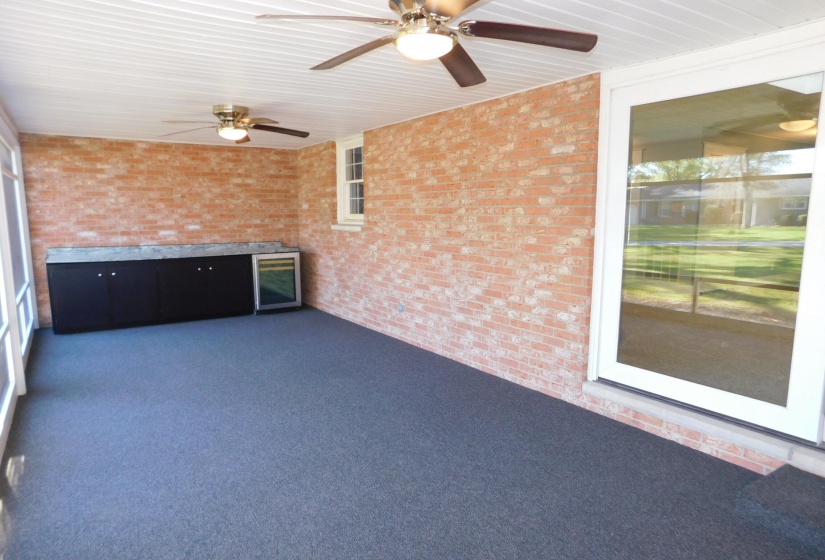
277	281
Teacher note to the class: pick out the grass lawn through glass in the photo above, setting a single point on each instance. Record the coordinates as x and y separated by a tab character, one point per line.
664	264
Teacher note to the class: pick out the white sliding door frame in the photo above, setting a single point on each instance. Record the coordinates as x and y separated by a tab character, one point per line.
791	53
28	293
26	297
8	299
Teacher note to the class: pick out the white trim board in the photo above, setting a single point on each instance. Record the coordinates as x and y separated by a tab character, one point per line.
763	45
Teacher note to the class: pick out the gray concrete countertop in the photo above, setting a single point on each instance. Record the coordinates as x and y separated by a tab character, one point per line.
61	255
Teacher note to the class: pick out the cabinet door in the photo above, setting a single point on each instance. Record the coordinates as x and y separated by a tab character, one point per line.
79	296
229	290
133	292
182	286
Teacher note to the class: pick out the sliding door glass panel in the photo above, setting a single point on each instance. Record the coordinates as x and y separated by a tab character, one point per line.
6	157
24	319
18	258
5	368
716	209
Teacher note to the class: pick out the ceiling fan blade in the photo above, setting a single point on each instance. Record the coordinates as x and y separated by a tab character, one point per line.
459	64
265	18
257	120
544	36
354	53
190	130
448	8
243	140
749	123
280	130
190	122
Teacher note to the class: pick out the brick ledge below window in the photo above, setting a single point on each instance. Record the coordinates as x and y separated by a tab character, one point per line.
800	456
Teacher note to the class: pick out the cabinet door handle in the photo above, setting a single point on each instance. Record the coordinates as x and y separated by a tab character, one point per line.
210	268
199	268
114	274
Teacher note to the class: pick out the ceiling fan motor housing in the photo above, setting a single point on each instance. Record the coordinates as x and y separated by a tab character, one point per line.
229	113
407	8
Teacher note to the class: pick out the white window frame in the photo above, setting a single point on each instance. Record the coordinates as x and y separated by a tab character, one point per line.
794	203
781	55
346	220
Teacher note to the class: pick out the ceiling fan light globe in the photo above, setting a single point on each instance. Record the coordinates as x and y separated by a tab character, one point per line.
798	126
231	132
424	43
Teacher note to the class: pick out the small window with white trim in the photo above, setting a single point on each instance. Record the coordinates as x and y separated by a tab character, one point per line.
350	155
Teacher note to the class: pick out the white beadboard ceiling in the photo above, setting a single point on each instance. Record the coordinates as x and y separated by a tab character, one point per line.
118	68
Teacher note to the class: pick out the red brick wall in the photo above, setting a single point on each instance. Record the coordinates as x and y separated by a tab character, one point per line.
91	192
479	221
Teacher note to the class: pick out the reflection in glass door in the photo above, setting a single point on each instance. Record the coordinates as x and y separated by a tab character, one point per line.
717	202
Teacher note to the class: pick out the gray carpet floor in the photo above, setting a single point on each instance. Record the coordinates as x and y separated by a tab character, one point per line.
300	435
789	501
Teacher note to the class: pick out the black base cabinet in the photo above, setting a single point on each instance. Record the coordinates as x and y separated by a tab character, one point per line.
229	286
182	290
80	296
205	287
93	296
133	293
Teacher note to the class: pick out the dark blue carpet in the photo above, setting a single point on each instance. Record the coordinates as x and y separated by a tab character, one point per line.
790	502
300	435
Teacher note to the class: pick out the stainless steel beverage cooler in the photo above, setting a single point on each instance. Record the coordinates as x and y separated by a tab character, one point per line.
277	280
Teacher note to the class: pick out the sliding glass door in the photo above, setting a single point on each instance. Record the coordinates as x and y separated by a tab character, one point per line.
713	259
16	292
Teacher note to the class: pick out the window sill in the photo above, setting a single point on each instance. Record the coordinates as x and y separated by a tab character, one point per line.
347	227
800	456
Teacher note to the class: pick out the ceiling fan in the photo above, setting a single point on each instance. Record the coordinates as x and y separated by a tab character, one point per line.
235	124
425	33
796	113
